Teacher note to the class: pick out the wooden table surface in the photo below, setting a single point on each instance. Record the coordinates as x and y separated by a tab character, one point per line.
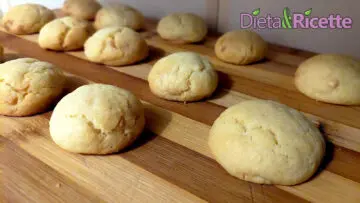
171	161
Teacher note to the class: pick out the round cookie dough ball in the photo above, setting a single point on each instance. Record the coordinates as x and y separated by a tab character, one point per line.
81	9
28	86
97	119
27	18
330	78
182	28
116	46
119	15
183	76
241	47
266	142
64	34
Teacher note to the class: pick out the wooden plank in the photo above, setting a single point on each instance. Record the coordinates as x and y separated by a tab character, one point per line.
176	164
331	183
178	130
26	179
109	177
198	174
344	162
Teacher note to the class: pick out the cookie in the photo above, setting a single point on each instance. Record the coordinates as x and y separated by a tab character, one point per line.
241	47
97	119
119	15
266	142
330	78
81	9
26	18
183	76
64	34
116	46
182	28
28	86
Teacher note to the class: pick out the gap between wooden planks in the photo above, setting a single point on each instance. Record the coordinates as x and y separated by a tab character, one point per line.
201	147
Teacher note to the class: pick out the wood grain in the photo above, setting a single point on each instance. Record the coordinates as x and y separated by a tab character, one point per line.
161	157
109	177
26	179
171	162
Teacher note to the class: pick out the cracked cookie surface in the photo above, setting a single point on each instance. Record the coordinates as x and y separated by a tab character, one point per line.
27	18
116	46
266	142
64	34
97	119
28	86
182	28
183	76
330	78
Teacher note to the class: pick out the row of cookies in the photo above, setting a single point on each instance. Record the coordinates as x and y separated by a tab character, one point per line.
259	141
330	78
70	33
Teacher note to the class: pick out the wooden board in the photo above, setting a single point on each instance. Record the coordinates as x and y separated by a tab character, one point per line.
171	161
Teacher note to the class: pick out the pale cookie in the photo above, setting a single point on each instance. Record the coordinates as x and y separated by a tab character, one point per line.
116	46
64	34
183	76
266	142
241	47
182	28
27	18
81	9
119	15
330	78
97	119
28	86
